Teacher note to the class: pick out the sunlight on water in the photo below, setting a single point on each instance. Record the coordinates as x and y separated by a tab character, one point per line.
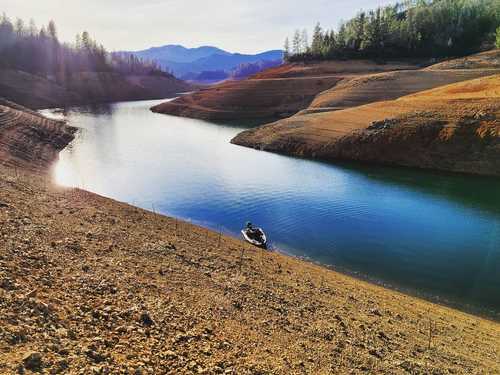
65	174
432	232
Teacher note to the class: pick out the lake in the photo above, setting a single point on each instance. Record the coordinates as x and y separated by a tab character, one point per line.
429	233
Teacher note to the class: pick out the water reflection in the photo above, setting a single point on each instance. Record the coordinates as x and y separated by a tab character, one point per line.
481	192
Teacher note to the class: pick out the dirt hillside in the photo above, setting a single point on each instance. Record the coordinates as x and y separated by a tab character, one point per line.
85	88
454	128
326	68
249	99
29	140
353	92
276	93
484	60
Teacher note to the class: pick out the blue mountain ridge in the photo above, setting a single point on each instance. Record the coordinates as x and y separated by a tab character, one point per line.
188	62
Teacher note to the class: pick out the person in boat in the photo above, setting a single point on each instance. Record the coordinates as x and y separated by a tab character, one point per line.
252	232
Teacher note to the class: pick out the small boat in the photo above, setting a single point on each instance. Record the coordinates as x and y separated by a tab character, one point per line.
255	236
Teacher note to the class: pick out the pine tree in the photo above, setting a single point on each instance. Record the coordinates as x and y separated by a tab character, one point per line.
39	52
304	42
52	30
78	42
86	41
286	53
341	38
20	31
411	28
32	28
317	42
296	43
43	33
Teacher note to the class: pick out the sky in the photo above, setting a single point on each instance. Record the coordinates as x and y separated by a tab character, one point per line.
248	26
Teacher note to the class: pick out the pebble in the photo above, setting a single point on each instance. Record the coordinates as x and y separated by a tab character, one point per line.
146	319
33	361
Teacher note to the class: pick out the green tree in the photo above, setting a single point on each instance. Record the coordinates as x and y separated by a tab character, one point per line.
304	42
86	41
498	38
32	29
411	28
39	52
296	43
52	30
286	53
78	42
317	41
20	30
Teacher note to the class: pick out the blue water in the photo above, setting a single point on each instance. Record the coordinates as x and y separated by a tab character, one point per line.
431	233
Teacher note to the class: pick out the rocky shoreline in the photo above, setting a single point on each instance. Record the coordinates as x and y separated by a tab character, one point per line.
89	285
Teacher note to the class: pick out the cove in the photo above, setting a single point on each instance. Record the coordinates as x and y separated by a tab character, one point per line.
429	233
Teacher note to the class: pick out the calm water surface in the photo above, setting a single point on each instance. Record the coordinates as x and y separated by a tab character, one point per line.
432	233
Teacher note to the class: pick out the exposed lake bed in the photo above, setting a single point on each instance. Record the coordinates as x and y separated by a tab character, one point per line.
434	234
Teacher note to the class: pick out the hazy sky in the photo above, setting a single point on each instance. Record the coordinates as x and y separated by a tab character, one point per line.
234	25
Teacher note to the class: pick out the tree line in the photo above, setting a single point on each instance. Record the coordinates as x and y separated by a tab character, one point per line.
39	51
413	28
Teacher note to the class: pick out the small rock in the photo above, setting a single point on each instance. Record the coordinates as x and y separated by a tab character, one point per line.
33	361
7	284
72	334
383	336
31	294
375	312
95	356
375	353
61	366
170	354
146	319
62	332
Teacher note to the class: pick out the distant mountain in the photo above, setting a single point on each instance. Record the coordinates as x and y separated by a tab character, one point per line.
186	63
179	54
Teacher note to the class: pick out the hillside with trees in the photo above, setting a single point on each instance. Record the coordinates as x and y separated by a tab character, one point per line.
36	63
409	29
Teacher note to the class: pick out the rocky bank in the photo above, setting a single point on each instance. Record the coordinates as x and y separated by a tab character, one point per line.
29	140
454	127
